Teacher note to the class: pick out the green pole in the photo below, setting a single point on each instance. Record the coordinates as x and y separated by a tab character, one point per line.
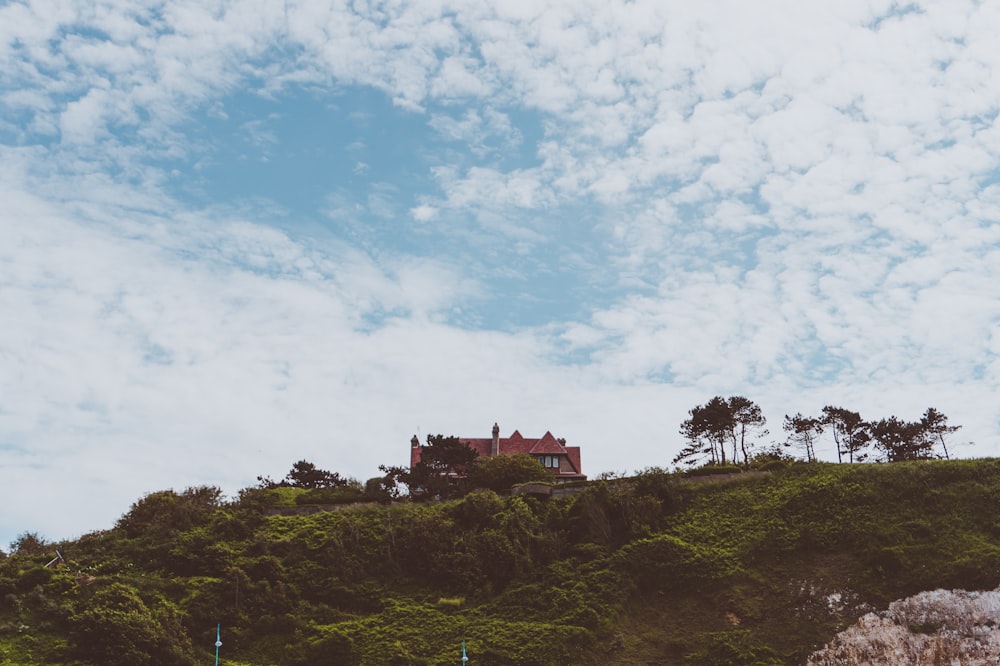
218	642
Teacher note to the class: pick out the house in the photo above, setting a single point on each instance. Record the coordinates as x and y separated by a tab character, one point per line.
563	461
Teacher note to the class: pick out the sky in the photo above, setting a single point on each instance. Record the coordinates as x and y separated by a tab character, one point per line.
234	235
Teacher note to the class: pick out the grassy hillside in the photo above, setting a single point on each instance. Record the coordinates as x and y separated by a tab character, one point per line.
657	569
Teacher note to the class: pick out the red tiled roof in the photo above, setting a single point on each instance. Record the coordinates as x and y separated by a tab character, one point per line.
547	444
480	445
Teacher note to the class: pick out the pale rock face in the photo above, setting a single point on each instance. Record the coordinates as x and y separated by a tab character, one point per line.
953	628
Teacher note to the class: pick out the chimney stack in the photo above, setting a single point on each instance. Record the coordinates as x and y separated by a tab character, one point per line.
495	446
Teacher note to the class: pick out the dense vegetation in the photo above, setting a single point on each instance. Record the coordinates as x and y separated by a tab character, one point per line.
658	569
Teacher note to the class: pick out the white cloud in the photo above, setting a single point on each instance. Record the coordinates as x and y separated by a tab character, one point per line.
121	352
485	132
423	213
794	201
457	78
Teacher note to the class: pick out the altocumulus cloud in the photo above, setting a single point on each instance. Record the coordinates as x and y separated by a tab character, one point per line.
580	216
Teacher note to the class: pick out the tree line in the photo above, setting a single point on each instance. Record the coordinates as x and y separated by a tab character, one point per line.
722	432
728	431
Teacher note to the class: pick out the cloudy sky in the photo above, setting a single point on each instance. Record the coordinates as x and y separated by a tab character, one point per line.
238	234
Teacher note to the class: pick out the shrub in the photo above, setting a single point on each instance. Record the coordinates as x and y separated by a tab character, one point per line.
478	509
116	628
330	646
736	648
501	473
31	545
709	470
667	562
344	494
451	602
165	512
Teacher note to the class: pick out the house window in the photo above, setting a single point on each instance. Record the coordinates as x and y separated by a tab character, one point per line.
551	462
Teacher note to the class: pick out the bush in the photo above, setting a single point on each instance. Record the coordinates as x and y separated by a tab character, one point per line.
736	648
656	482
709	470
116	628
380	489
478	509
32	578
332	495
31	545
165	512
501	473
330	646
451	602
666	562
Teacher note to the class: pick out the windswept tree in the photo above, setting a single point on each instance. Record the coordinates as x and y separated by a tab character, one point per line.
706	430
305	474
748	419
717	424
803	431
901	440
936	426
850	432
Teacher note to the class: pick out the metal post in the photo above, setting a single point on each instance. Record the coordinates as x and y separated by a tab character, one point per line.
218	642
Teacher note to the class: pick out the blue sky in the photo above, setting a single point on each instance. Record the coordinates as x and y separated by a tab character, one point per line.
238	234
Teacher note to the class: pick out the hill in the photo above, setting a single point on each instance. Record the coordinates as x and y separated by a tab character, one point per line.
655	569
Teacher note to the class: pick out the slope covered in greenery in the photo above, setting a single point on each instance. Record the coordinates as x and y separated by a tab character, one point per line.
657	569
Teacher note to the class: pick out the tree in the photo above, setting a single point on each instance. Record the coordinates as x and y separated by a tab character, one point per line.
803	431
706	430
902	440
501	473
444	463
748	418
717	423
30	544
165	512
935	424
850	432
381	488
304	474
389	484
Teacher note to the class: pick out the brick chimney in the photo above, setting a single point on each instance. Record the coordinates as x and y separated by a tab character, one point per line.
495	446
414	451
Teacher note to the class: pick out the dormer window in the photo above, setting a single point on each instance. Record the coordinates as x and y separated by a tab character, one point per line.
552	462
